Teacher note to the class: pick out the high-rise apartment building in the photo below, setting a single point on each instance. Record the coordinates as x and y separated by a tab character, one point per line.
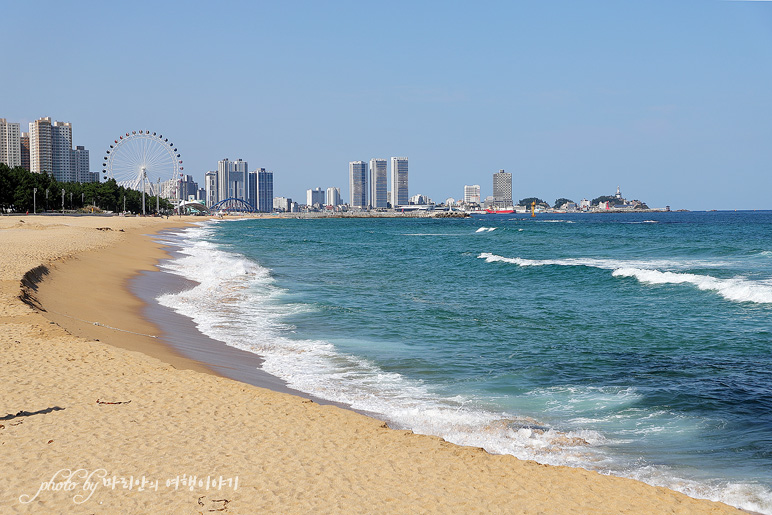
315	197
264	191
333	197
399	191
357	171
61	152
210	187
40	152
10	143
502	189
378	183
472	194
231	179
81	164
24	142
50	151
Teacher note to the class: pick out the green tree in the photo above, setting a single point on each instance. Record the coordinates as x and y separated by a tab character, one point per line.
17	186
528	201
611	199
559	202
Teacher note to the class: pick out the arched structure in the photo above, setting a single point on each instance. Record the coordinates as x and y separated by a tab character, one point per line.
232	205
191	206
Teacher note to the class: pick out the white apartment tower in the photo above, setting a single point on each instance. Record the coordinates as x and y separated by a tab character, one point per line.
40	155
210	186
10	143
333	197
357	171
378	183
399	194
472	194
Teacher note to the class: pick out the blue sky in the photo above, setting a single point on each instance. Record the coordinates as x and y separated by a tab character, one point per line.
669	99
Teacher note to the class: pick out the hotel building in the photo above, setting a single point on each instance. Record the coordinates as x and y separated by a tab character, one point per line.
502	189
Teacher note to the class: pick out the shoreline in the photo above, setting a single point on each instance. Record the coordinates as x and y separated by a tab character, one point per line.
82	403
180	333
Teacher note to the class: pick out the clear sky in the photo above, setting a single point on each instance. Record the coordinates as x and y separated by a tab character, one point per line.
669	99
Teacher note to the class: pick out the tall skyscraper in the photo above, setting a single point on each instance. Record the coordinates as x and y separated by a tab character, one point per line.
10	143
502	189
81	165
24	141
357	182
210	186
399	191
333	197
264	191
378	183
472	194
40	151
315	197
231	179
61	152
252	189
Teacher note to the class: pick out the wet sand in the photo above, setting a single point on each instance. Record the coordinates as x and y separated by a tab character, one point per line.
130	419
179	332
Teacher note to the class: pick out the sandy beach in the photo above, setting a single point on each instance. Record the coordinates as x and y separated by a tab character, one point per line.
108	419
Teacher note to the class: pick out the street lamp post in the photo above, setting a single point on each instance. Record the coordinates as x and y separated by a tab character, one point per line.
70	201
62	200
144	175
46	199
82	199
34	201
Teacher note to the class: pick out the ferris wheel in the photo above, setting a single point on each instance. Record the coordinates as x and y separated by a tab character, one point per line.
139	160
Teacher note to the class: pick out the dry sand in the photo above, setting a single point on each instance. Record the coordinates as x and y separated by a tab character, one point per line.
105	413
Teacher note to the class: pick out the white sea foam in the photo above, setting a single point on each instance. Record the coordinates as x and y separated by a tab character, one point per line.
486	229
737	289
238	302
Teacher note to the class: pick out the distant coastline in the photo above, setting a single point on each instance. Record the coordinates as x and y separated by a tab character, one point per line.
424	214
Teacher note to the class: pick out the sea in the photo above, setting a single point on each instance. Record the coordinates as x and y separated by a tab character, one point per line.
636	345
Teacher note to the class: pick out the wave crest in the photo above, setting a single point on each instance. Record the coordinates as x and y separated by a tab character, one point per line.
736	289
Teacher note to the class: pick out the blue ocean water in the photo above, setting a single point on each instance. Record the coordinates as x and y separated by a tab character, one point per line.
637	345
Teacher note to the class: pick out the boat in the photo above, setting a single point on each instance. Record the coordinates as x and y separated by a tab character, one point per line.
500	211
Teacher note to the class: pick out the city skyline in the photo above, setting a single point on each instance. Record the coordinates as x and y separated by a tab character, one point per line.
572	99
